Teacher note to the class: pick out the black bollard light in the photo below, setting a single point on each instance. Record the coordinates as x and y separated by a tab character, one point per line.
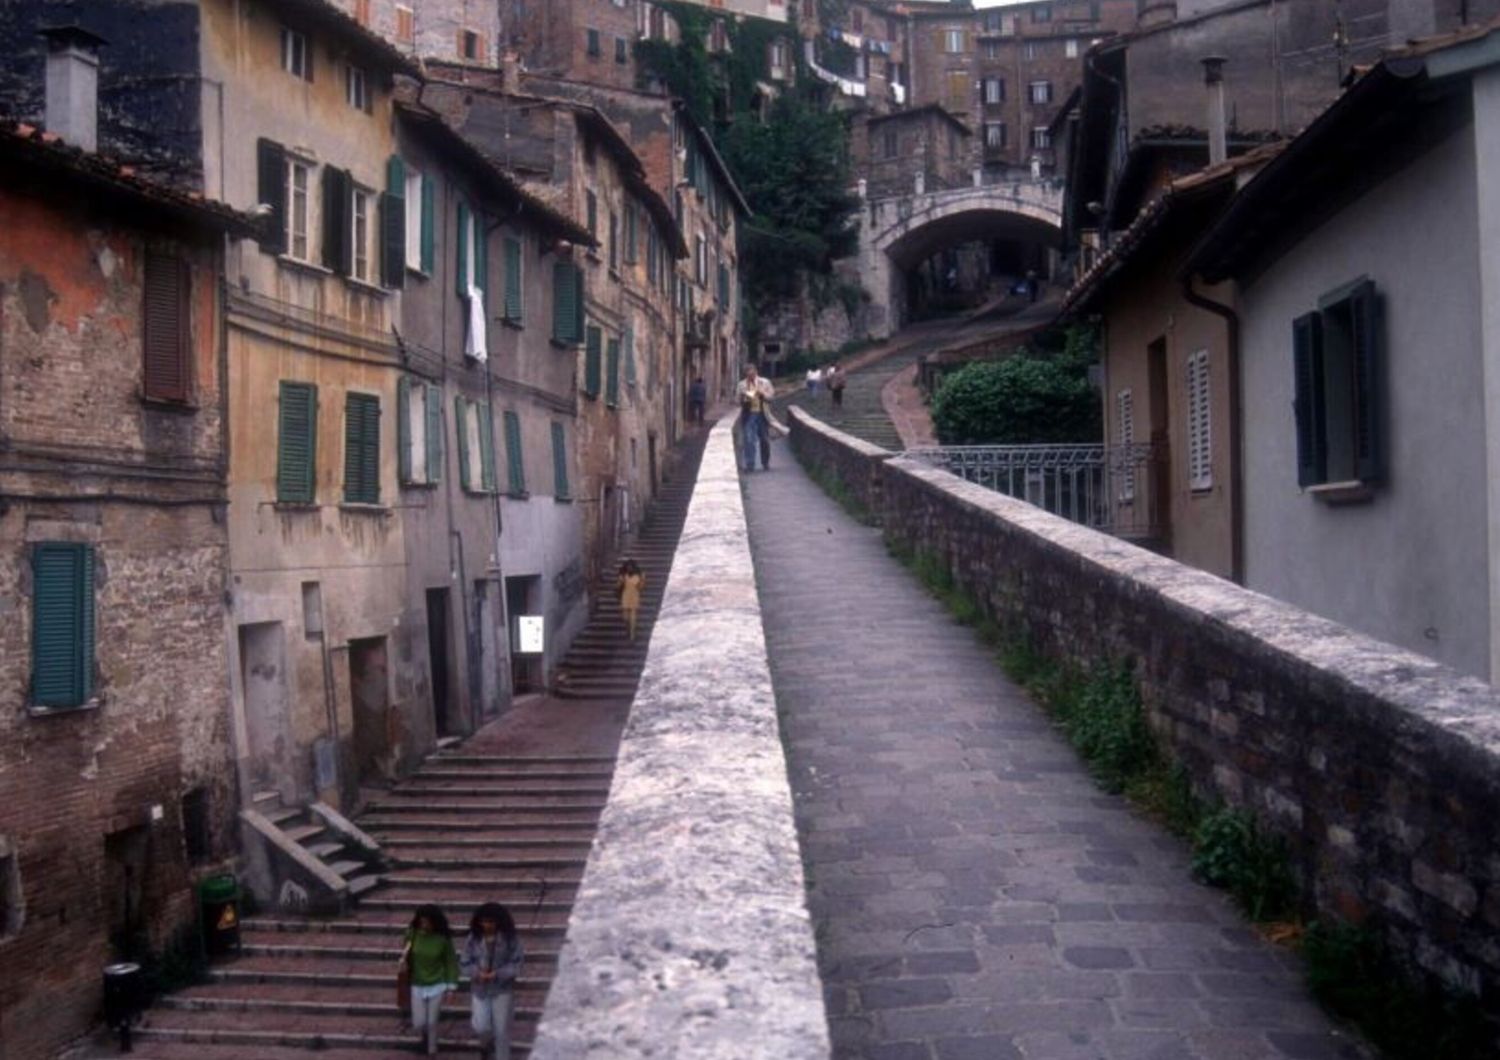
122	999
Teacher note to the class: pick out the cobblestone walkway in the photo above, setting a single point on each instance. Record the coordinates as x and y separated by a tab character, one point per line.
976	896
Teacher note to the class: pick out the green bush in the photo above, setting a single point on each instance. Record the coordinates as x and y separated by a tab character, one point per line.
1019	401
1230	850
1104	720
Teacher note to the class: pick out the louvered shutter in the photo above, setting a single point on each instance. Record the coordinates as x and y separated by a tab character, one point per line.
361	449
578	297
403	430
513	299
566	300
515	460
612	390
1364	308
1200	431
338	247
393	207
559	463
271	166
434	434
1307	403
62	624
592	350
296	451
429	235
461	269
481	259
1125	464
461	417
167	329
629	356
486	447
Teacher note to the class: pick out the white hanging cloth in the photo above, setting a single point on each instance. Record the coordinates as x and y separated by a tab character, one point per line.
474	338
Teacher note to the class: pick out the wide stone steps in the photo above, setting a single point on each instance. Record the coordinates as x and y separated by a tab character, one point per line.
311	1031
348	1000
371	973
171	1049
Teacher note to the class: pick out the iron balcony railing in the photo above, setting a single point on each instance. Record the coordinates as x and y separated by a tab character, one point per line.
1116	489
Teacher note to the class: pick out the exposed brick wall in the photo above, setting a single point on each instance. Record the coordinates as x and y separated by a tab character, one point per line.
1378	766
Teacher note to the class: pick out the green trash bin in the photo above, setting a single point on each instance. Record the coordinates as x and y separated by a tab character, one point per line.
219	900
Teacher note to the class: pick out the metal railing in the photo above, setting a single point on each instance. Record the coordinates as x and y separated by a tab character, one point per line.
1116	489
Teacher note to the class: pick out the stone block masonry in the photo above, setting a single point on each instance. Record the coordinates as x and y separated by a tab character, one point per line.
1380	767
691	935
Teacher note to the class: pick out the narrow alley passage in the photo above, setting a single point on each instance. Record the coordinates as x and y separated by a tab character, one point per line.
975	895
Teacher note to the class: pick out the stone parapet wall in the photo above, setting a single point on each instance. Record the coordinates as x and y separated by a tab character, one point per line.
691	935
831	454
1380	767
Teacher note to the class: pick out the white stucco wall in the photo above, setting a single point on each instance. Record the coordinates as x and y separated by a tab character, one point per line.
1487	169
1410	566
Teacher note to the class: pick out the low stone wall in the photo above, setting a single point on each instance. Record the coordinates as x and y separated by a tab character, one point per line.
842	457
1380	767
691	935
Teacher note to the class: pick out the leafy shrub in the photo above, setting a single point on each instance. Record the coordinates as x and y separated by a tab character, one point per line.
1104	720
1019	401
1230	850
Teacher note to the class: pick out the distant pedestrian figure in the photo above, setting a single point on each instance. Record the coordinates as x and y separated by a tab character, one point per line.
492	960
837	379
754	392
697	397
1032	285
432	963
814	380
630	582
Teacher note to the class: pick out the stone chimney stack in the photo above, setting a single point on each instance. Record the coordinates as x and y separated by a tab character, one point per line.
73	85
1218	132
510	72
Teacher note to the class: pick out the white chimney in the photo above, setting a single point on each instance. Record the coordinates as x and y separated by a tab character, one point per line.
73	85
1218	134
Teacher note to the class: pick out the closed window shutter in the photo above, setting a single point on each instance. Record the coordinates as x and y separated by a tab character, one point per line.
1307	400
461	269
515	460
403	430
612	393
481	258
62	624
630	356
578	303
559	463
566	299
271	170
1200	430
296	456
486	448
434	434
361	449
1125	415
1364	307
461	418
513	302
592	350
429	235
393	207
338	251
167	327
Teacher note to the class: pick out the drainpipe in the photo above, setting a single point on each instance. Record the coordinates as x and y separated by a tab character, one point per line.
1236	448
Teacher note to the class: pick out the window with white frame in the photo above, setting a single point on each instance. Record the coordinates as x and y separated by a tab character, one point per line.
1041	138
1070	48
994	90
994	134
953	41
296	54
1040	91
1029	51
298	177
361	234
1008	25
700	260
992	49
357	88
419	432
1125	434
1200	426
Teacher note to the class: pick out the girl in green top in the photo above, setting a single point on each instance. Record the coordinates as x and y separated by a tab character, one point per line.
433	963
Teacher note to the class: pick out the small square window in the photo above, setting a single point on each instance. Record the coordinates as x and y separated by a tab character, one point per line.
472	46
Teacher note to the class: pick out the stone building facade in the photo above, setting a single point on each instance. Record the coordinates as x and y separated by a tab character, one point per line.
910	151
116	785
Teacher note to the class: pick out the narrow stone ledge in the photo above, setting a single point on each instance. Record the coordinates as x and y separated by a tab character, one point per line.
691	935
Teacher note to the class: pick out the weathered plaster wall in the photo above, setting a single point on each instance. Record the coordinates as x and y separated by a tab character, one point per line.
1410	565
691	935
1377	765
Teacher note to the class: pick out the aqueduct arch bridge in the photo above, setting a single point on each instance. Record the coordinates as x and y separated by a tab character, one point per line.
899	232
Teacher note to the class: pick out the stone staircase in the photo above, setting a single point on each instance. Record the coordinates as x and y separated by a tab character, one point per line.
602	662
863	413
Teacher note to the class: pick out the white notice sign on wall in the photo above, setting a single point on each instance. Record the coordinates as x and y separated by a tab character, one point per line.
531	634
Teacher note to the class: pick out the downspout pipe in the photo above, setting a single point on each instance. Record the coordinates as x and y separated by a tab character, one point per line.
1236	418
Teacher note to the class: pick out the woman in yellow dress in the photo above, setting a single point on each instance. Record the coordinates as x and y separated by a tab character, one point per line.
630	583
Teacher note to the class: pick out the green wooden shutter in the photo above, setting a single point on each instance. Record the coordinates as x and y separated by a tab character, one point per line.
434	434
591	362
271	170
578	304
461	418
361	449
393	207
486	447
612	392
297	443
403	429
515	462
1364	309
630	356
1308	404
429	233
567	302
62	624
514	304
559	463
461	270
481	259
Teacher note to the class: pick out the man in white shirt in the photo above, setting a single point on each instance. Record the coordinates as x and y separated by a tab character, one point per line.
754	392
